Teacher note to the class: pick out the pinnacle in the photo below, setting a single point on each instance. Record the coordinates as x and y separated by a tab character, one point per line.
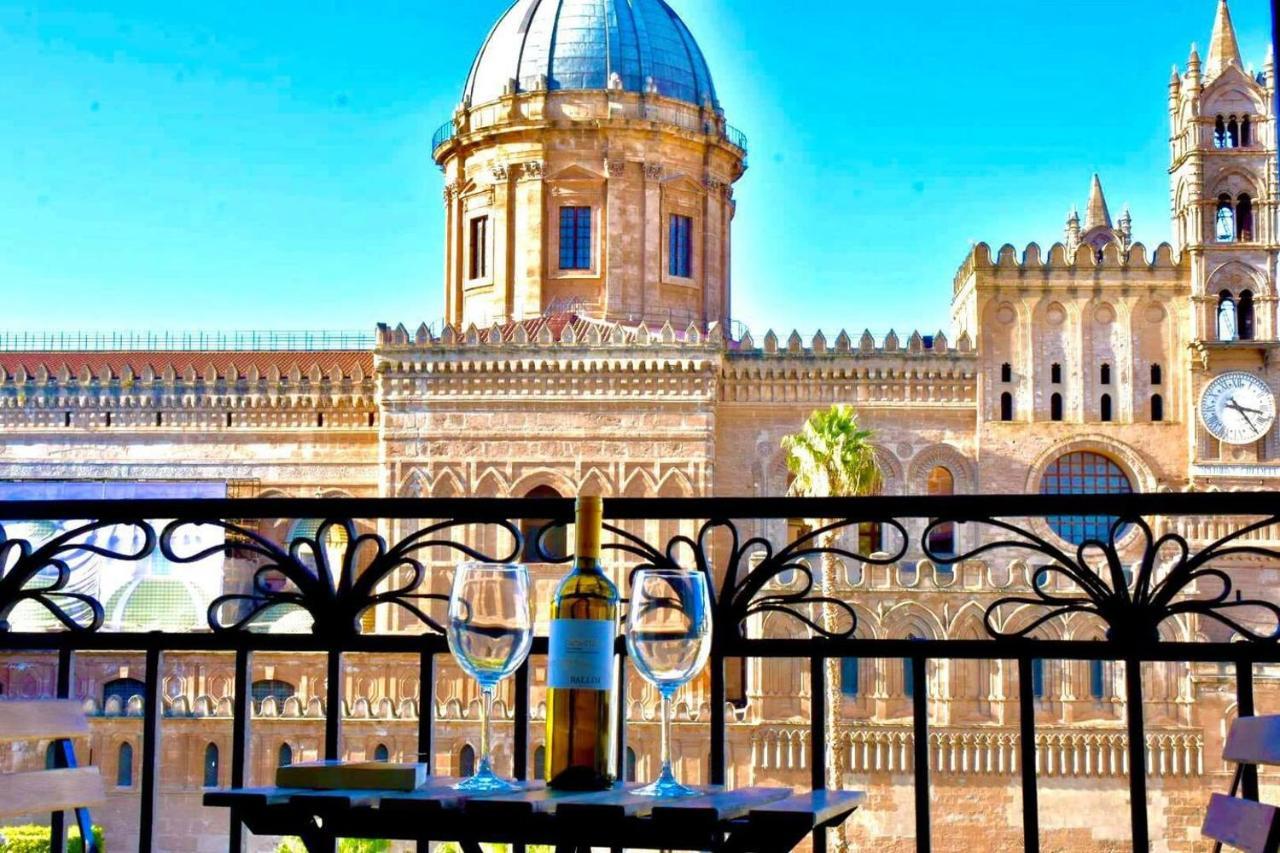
1097	214
1224	50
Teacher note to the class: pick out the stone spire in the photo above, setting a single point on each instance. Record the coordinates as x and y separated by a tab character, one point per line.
1224	50
1072	231
1096	214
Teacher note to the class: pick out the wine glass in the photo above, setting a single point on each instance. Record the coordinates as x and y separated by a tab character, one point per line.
669	638
490	632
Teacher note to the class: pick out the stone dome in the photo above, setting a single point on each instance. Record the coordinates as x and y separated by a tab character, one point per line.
582	44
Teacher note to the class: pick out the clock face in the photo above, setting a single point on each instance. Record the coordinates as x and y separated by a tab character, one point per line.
1237	408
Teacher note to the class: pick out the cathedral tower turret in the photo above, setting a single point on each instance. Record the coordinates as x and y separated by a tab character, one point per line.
1224	191
589	168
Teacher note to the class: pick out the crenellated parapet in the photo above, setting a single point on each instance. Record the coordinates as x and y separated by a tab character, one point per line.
594	359
1111	267
187	390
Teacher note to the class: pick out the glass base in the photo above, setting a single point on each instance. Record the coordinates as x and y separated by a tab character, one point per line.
485	781
665	786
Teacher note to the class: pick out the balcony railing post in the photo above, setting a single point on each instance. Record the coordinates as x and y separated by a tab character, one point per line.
240	711
333	717
1137	753
818	736
920	731
150	751
1027	756
719	769
58	821
1244	708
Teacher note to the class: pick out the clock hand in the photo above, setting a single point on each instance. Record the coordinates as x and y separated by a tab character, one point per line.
1243	413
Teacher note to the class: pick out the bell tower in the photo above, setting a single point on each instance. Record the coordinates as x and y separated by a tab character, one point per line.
1225	202
1224	190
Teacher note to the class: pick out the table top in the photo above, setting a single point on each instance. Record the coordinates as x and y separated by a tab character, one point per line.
772	818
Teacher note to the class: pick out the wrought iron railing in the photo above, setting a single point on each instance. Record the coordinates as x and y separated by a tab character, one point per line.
1140	578
443	134
735	137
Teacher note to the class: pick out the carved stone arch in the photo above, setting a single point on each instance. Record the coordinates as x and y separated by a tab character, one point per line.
273	493
1131	461
1232	92
869	627
543	477
447	484
675	484
1236	277
339	494
891	472
909	617
1018	618
639	483
414	485
1233	181
492	485
596	482
942	456
968	624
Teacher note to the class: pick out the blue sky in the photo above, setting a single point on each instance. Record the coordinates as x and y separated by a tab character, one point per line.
265	165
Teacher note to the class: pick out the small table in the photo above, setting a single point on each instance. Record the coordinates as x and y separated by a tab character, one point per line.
769	820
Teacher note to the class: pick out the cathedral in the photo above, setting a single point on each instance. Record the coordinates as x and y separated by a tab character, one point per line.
589	346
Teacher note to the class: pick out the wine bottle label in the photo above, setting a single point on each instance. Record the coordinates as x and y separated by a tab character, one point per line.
581	654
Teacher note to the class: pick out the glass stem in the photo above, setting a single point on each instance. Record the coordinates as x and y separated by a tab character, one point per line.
665	728
486	710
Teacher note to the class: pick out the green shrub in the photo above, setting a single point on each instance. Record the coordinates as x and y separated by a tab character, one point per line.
34	838
345	845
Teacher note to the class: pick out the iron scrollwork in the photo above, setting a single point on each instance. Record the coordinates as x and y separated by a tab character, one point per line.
334	596
42	574
1163	585
744	592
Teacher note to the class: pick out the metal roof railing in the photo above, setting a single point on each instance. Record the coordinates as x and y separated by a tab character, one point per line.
177	341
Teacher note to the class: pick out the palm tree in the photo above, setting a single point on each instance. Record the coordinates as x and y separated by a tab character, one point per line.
832	456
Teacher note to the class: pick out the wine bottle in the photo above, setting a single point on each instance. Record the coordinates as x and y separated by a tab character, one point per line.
584	617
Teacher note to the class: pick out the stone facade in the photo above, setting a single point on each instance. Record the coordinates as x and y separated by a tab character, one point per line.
619	378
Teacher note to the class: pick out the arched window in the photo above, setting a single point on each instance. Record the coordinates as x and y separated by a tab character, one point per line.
540	762
123	689
1006	406
124	766
1037	678
1228	329
554	543
284	756
1055	407
51	756
1157	408
1233	132
1055	374
1097	680
1245	316
1006	372
942	539
1226	220
211	766
1083	473
1220	133
466	761
1106	408
270	688
1157	375
1244	218
849	676
1105	374
381	753
629	771
1246	132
